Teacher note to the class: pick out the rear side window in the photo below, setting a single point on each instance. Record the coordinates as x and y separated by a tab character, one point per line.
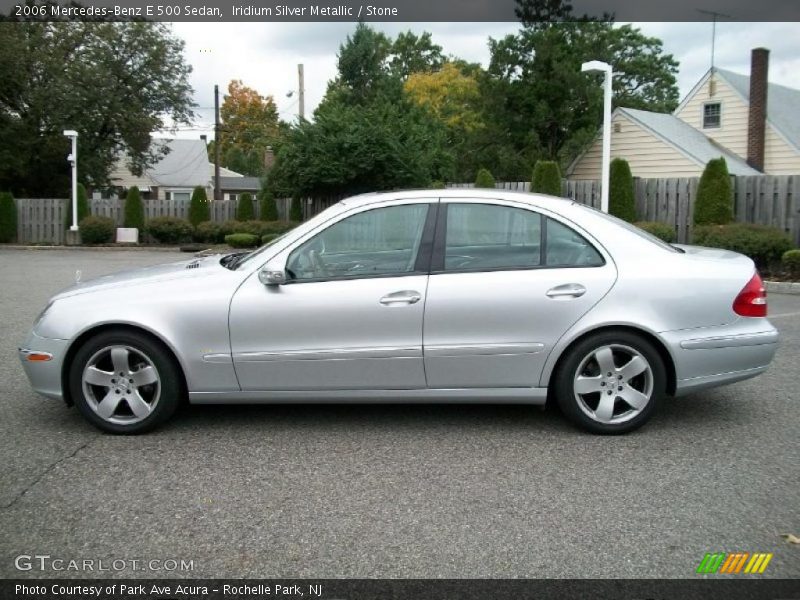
495	237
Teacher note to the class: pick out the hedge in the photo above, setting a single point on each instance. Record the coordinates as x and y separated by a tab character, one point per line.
8	218
244	209
134	209
268	237
714	204
207	232
484	179
621	197
269	209
546	178
296	211
97	230
170	230
791	263
765	245
660	230
199	210
242	240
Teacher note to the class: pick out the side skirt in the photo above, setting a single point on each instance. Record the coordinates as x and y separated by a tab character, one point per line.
533	396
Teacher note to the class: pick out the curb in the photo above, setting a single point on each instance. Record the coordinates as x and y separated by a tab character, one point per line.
782	287
94	248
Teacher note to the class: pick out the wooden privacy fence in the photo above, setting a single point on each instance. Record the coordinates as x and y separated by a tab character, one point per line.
772	200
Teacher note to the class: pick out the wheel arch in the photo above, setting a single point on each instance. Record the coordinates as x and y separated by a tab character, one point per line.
86	335
658	344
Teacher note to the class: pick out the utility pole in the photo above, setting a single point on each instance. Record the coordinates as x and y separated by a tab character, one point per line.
301	92
217	187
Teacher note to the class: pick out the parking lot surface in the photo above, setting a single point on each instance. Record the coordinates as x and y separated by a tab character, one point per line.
392	491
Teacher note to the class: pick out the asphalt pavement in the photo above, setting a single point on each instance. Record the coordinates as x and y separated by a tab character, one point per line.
391	491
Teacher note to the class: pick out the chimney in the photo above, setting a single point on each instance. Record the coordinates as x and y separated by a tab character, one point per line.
757	116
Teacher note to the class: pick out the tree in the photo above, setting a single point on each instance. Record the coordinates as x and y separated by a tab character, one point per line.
8	218
112	82
296	210
249	124
269	209
362	62
537	93
450	94
134	210
621	196
83	207
244	210
714	204
484	179
414	54
546	178
198	207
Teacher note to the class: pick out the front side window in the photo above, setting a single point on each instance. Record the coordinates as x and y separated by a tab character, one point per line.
378	242
712	115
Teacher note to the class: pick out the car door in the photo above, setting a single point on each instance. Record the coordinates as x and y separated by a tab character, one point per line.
349	316
506	283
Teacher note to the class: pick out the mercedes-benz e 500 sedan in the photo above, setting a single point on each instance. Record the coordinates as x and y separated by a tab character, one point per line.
423	296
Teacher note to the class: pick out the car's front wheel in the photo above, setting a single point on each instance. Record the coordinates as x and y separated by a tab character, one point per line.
610	382
124	382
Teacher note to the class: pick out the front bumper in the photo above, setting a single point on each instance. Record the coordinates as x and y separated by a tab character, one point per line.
44	375
716	356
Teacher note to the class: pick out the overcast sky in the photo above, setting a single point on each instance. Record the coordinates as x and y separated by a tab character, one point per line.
265	55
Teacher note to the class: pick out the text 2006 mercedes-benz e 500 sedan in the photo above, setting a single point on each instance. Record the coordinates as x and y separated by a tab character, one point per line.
423	296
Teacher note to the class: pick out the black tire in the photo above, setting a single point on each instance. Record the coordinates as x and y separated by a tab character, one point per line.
576	406
167	390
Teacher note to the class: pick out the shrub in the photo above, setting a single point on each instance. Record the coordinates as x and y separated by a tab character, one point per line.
660	230
484	179
83	207
269	209
207	232
765	245
278	227
791	263
714	204
546	178
134	210
198	208
438	185
170	230
244	210
296	211
8	218
97	230
268	237
229	227
241	240
621	198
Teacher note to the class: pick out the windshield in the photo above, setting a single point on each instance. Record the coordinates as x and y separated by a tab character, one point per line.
632	228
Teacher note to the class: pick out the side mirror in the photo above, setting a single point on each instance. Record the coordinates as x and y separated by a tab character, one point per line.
269	276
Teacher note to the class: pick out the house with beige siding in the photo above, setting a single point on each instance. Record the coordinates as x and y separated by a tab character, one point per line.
753	124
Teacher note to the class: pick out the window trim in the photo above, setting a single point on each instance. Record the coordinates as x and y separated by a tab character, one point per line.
424	251
440	242
703	115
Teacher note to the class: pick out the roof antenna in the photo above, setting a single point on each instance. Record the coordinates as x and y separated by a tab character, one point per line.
714	16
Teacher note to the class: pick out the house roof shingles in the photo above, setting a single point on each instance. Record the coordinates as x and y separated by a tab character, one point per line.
687	139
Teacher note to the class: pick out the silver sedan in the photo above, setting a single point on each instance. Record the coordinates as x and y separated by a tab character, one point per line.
423	296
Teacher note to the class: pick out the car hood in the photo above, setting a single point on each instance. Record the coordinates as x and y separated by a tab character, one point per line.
185	269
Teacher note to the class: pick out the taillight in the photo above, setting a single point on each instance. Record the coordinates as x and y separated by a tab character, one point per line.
752	300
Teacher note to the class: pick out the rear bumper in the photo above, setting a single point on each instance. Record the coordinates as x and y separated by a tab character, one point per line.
723	355
44	375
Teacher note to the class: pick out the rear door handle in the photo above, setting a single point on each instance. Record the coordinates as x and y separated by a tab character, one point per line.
568	290
403	297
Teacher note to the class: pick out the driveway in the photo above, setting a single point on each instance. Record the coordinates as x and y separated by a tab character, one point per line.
393	491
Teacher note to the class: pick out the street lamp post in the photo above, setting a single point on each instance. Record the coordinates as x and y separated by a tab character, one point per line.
596	65
73	160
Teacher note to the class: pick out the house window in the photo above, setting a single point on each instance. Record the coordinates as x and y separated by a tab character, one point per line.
712	115
178	194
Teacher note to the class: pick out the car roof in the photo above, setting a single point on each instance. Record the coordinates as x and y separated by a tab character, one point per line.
533	199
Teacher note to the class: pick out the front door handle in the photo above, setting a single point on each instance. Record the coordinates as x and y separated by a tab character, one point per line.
568	290
399	298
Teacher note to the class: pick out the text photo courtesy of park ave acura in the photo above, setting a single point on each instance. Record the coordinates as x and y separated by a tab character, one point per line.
420	299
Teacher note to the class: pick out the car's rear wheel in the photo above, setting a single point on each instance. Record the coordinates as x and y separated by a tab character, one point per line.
610	382
124	382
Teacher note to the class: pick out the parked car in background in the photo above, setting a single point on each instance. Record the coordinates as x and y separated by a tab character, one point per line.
422	296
